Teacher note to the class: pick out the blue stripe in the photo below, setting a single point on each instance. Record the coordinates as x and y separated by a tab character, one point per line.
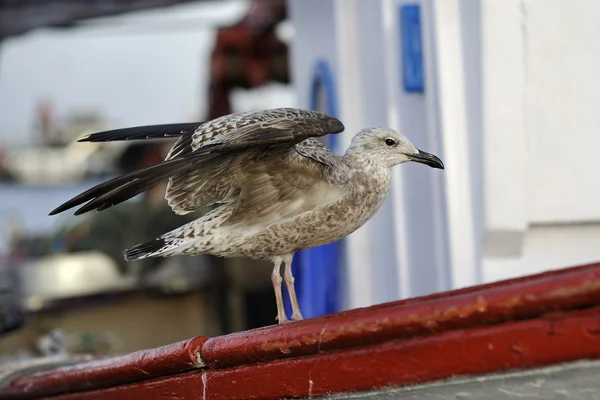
412	48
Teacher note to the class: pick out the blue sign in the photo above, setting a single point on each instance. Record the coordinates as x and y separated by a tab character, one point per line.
412	48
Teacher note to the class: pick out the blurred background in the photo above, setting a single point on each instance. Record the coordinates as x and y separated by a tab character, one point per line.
504	91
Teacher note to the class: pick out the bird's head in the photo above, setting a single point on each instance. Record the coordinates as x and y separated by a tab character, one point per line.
387	148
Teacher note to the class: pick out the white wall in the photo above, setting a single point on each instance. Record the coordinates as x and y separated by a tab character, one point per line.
562	109
541	114
368	56
511	105
528	94
548	247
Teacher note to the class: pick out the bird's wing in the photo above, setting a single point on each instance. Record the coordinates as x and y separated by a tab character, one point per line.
315	150
193	135
278	187
216	183
214	146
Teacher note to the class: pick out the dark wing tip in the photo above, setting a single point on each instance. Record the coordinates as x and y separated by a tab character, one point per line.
83	210
328	122
335	125
59	209
120	189
143	132
66	206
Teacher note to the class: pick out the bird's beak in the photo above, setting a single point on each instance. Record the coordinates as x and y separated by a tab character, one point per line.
427	159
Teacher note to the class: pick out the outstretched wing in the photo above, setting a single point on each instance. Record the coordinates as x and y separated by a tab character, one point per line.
211	148
220	179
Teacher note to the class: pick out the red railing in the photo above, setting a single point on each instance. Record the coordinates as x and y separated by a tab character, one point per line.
521	323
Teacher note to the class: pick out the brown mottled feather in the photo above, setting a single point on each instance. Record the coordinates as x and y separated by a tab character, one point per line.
200	166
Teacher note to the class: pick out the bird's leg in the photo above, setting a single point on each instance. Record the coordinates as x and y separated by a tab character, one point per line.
276	279
289	283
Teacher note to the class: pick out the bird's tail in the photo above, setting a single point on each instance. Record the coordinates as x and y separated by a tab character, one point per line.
159	247
178	241
195	237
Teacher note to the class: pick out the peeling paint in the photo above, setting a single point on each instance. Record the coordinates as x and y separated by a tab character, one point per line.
140	365
515	324
517	299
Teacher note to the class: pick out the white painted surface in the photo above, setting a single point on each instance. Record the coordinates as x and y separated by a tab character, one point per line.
540	116
420	205
359	246
367	49
512	107
563	109
548	247
448	94
394	216
504	144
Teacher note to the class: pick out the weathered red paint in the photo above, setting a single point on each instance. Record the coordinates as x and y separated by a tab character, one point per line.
521	323
177	387
144	364
556	338
461	309
410	361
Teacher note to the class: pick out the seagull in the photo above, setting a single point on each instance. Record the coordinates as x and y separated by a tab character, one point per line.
274	188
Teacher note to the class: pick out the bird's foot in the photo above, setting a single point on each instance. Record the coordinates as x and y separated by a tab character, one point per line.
282	319
296	316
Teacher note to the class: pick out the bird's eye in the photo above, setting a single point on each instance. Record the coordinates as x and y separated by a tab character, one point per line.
390	142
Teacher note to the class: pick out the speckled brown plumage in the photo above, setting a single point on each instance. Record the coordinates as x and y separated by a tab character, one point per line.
276	189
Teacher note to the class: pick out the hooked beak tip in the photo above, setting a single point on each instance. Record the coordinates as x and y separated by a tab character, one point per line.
428	159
